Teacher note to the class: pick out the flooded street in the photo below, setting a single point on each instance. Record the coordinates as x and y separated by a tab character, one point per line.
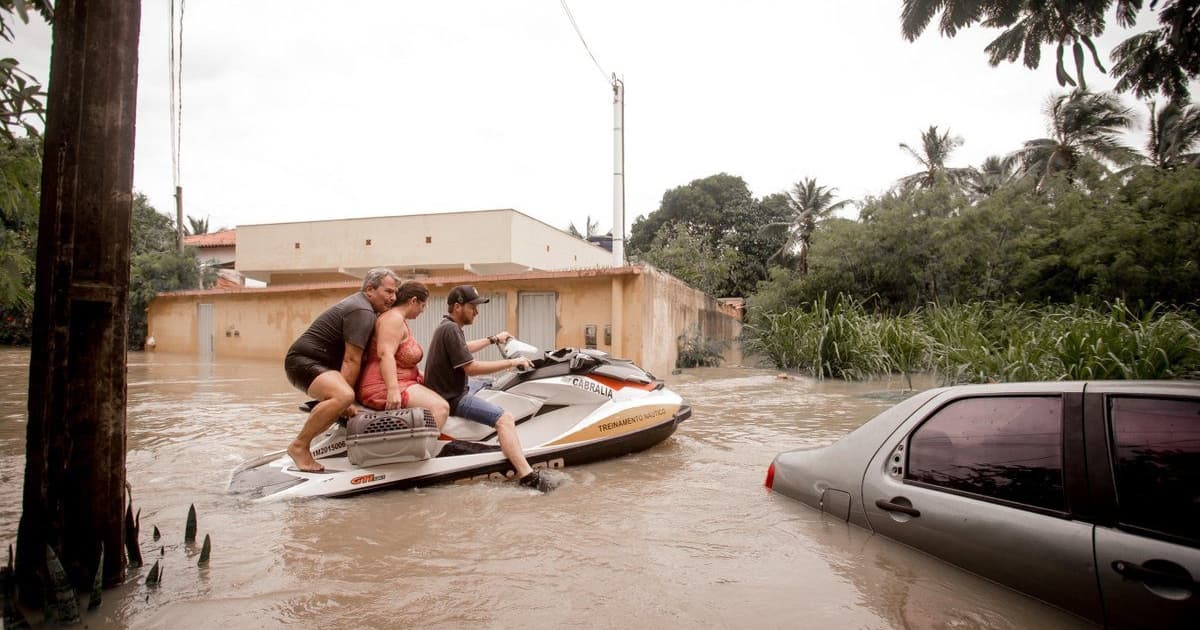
681	535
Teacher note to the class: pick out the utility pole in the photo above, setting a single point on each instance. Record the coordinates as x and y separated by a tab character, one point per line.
179	216
75	440
618	242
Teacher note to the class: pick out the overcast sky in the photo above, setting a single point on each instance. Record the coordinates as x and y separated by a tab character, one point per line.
311	109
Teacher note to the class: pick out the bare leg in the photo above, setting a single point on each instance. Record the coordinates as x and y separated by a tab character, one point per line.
510	444
335	396
421	396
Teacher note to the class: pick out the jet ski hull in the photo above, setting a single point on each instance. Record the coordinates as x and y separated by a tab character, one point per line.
275	477
574	407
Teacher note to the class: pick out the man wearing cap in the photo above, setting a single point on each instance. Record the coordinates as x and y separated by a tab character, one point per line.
451	360
324	362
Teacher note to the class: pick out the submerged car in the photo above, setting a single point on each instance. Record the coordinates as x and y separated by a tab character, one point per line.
1085	495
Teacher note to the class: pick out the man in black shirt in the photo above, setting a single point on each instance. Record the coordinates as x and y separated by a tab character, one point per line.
324	362
451	360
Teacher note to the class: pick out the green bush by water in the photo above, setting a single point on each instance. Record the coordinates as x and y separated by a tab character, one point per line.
981	341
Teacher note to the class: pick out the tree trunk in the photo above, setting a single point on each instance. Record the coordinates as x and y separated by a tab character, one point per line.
75	441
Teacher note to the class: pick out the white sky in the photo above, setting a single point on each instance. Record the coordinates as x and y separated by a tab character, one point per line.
295	111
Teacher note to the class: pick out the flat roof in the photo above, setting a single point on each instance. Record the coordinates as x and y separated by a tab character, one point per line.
438	281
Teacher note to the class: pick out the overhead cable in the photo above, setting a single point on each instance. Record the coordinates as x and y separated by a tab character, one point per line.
570	17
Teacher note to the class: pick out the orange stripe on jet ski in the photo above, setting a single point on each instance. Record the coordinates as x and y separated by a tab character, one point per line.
616	384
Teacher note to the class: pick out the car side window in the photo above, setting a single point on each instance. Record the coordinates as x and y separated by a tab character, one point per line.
1007	448
1156	460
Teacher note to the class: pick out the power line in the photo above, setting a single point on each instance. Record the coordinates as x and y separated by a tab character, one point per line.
176	74
570	17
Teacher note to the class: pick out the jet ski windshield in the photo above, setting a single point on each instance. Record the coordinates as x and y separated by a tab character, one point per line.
565	361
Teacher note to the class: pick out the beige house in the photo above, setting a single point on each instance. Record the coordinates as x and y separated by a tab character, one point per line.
547	287
484	242
635	312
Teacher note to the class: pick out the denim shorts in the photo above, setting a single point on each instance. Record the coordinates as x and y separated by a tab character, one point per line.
476	409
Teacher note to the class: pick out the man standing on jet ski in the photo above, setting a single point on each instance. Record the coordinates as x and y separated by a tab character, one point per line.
451	360
324	362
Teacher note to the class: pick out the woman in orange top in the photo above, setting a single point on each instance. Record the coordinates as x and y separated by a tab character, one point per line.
390	378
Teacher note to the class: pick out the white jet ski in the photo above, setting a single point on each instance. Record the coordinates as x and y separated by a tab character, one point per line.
573	407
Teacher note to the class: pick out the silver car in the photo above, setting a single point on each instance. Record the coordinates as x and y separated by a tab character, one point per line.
1085	495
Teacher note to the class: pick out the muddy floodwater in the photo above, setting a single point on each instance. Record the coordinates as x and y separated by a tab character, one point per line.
682	535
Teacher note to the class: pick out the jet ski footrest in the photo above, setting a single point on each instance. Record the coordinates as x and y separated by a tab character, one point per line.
390	436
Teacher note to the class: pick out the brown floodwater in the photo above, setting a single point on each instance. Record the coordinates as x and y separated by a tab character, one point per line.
681	535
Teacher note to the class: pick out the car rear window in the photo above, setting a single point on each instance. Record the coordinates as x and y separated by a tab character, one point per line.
1156	460
1000	447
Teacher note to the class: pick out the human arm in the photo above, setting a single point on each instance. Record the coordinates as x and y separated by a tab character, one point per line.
357	328
479	368
475	345
351	365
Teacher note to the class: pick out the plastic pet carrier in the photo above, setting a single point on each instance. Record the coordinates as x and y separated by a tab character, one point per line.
387	437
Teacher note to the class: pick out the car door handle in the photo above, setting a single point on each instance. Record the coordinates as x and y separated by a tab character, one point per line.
1153	577
884	504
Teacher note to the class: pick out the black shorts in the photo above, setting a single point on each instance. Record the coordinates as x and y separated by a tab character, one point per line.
302	371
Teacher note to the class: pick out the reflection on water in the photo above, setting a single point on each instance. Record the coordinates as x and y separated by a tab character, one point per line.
681	535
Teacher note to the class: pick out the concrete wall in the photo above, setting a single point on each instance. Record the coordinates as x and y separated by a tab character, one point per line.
648	310
486	242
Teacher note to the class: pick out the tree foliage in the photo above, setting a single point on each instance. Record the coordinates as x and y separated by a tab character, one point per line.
808	203
156	265
196	226
1083	127
1165	59
720	214
22	101
1158	61
155	262
1174	133
934	151
1136	239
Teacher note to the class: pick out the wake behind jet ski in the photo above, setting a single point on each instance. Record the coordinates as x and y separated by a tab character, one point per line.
573	407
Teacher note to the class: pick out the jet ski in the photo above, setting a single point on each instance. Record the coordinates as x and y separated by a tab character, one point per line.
573	407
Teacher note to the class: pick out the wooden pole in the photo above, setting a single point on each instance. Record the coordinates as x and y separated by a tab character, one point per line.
75	442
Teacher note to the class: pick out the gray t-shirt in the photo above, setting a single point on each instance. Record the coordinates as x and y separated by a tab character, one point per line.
444	362
350	321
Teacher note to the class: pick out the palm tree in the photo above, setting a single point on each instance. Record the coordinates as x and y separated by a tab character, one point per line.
196	226
808	203
935	150
1084	127
593	228
995	172
1027	26
1174	132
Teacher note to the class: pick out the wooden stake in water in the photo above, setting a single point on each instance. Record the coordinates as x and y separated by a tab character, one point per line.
65	607
205	551
189	533
132	547
155	575
97	582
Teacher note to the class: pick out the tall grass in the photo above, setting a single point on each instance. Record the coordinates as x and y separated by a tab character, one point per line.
982	341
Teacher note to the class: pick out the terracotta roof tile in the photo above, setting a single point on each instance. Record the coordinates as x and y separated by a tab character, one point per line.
224	238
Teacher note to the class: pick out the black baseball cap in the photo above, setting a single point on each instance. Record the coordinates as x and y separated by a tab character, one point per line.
465	294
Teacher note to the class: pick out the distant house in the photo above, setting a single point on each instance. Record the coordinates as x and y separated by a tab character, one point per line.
218	250
482	243
546	286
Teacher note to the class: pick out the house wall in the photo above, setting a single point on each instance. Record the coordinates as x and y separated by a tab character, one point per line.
220	255
493	241
647	309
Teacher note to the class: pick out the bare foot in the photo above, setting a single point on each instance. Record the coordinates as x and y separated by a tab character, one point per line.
303	458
